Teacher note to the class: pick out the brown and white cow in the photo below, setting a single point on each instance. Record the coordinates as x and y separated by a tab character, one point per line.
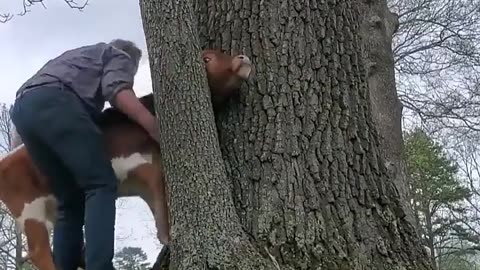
134	156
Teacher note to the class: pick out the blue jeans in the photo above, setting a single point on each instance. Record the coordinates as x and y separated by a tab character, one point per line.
68	148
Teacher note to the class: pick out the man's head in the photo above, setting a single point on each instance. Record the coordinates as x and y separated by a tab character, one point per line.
130	48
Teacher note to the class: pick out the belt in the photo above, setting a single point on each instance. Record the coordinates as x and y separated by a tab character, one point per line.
36	86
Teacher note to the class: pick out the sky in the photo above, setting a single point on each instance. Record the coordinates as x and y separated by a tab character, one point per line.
28	42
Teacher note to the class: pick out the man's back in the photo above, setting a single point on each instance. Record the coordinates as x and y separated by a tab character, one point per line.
82	70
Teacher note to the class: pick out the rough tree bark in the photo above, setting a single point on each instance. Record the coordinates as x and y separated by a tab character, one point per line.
377	28
206	230
302	155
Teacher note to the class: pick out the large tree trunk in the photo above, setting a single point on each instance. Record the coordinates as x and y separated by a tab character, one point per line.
206	230
377	29
302	156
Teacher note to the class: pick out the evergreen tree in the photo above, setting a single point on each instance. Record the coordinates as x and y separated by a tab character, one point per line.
131	258
437	195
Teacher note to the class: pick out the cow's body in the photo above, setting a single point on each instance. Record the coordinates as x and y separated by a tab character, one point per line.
135	159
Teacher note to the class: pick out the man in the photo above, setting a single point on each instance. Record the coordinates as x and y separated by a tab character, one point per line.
54	114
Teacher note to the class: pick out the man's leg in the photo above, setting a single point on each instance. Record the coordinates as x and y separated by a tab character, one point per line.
68	233
78	142
68	229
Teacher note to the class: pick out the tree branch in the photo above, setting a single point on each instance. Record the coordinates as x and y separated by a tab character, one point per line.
29	3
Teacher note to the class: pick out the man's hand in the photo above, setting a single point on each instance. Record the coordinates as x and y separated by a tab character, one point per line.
126	101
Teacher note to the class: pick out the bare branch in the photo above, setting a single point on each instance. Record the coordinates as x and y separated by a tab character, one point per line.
73	4
437	61
26	4
5	17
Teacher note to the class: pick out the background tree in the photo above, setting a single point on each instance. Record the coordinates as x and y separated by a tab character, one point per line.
5	128
8	240
436	51
437	59
27	4
131	258
467	155
459	255
455	260
437	193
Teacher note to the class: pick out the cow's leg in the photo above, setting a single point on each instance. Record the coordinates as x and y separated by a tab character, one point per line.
69	206
39	245
157	200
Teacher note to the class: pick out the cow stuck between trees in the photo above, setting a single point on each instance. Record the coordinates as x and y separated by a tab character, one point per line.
135	158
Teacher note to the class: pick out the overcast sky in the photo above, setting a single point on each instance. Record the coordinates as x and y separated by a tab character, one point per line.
27	42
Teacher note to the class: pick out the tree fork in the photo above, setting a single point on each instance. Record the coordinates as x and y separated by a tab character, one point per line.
206	232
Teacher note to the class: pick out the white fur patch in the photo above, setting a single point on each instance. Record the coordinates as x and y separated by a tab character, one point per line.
36	210
123	165
246	68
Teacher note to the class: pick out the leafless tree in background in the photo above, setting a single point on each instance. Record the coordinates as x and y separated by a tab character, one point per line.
27	4
437	60
467	154
5	129
8	240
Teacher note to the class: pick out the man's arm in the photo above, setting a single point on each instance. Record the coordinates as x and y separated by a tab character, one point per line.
126	101
117	82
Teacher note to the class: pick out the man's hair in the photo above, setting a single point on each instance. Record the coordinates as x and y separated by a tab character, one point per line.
128	47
